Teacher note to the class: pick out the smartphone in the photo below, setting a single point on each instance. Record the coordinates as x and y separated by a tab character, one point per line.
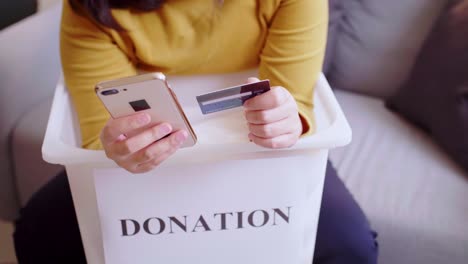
148	93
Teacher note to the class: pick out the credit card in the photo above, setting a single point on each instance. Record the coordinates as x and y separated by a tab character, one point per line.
231	97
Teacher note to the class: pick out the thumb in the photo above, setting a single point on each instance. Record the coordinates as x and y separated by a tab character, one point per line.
252	80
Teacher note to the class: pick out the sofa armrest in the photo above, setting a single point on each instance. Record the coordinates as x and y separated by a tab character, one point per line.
29	69
31	171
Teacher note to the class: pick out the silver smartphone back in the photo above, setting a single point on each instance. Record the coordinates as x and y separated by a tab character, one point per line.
148	93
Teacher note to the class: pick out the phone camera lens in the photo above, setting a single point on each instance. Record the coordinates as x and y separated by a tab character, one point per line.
110	92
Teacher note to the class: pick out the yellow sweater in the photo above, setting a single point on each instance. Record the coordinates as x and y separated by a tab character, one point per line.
284	38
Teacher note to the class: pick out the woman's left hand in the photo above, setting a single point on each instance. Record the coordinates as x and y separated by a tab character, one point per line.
273	118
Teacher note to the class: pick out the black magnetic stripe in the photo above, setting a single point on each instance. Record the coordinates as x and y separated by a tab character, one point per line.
219	94
256	88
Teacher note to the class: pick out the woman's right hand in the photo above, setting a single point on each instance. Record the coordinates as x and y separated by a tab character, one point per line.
144	151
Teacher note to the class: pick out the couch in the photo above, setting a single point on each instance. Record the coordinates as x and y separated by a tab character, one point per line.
12	11
413	194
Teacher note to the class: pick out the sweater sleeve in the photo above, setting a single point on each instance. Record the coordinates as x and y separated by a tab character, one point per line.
89	55
294	49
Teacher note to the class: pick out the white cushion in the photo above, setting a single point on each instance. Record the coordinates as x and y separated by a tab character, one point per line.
414	195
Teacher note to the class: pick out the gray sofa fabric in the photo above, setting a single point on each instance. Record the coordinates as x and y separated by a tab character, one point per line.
27	138
435	96
414	195
378	41
336	13
13	11
29	70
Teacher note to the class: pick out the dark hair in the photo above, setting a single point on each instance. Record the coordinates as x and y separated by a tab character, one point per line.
100	10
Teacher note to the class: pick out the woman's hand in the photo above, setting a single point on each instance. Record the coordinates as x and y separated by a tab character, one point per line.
143	151
273	118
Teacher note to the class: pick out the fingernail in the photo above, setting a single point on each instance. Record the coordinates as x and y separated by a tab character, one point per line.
144	119
181	137
121	137
165	129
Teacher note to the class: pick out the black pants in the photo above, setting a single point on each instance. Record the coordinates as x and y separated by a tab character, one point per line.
47	230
